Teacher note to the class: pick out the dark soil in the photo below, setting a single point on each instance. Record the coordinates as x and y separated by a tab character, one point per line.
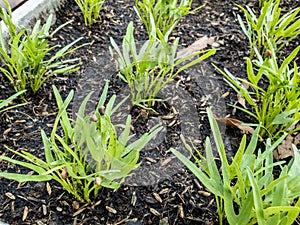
172	195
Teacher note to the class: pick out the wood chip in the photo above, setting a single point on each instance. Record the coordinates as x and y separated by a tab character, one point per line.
198	184
109	15
166	161
20	121
96	204
205	193
48	187
215	45
216	23
44	208
79	211
133	199
154	212
172	123
225	94
157	197
12	207
168	117
25	213
111	210
174	110
164	191
180	211
10	195
150	160
7	131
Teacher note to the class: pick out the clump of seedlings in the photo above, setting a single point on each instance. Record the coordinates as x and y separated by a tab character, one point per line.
88	155
90	10
246	190
155	65
25	57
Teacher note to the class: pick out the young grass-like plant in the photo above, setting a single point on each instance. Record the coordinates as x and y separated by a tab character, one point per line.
26	57
270	26
4	103
88	155
146	72
161	14
246	191
276	106
261	2
90	10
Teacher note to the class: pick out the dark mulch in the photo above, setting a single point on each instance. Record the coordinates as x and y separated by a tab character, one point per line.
168	195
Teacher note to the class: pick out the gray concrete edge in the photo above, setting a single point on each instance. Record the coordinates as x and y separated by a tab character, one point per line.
27	14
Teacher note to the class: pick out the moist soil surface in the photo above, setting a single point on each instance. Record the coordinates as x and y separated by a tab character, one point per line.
157	193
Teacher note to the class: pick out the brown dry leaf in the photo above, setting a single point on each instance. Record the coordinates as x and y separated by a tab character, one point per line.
297	139
236	124
109	15
64	173
75	205
245	84
284	150
198	45
242	101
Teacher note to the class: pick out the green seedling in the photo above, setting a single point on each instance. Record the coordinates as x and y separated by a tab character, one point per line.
26	58
161	14
276	106
4	103
90	10
245	190
146	72
269	26
88	155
